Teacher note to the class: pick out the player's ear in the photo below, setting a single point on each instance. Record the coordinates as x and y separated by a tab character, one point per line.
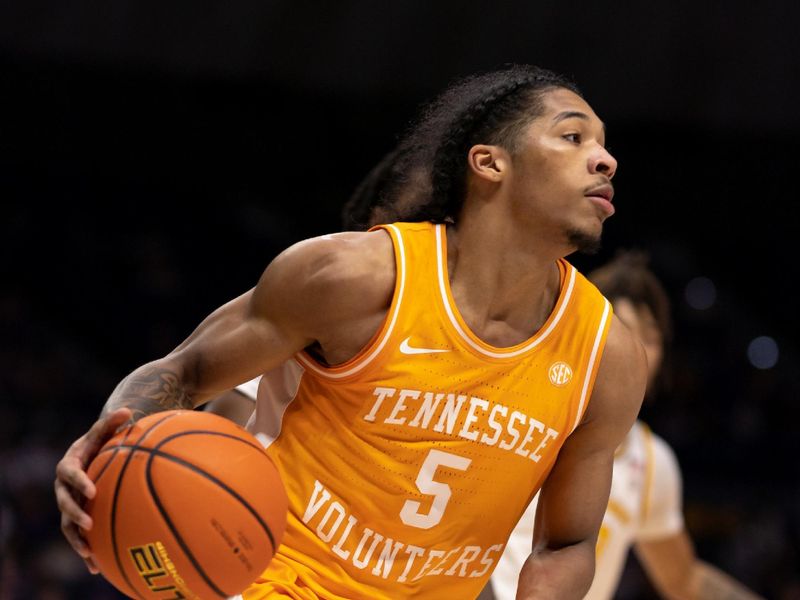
488	162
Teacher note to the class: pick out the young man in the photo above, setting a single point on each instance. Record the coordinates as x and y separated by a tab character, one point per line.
445	372
644	509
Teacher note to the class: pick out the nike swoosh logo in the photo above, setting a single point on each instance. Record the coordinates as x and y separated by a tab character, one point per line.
407	348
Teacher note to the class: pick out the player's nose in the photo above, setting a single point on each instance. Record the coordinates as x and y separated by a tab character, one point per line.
602	161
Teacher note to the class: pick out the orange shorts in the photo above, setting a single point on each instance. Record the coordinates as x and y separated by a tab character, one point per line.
283	582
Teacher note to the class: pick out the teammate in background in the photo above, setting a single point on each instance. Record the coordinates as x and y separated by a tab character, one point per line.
644	509
445	367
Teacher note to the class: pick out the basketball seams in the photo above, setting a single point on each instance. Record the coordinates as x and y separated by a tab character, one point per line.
117	487
177	460
178	538
186	432
115	450
142	437
117	559
206	474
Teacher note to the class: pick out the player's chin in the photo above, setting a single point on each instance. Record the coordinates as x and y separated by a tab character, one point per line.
586	240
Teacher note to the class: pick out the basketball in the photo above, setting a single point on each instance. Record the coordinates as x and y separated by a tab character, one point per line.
188	505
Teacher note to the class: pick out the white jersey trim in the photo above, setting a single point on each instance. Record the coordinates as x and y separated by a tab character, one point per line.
249	389
664	492
539	338
590	366
331	373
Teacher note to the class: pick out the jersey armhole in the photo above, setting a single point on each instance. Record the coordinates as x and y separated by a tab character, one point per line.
378	341
593	365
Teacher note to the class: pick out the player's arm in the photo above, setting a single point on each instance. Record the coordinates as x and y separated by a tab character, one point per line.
677	573
238	341
575	495
306	295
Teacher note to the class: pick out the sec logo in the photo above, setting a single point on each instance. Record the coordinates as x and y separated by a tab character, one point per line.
560	374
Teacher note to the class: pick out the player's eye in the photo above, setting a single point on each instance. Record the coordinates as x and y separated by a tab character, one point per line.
575	138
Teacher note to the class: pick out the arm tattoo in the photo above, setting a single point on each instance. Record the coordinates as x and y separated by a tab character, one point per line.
149	390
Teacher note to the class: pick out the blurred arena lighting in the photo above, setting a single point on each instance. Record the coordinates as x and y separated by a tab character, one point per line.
763	352
701	293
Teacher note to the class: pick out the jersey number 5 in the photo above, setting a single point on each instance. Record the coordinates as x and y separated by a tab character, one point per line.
410	514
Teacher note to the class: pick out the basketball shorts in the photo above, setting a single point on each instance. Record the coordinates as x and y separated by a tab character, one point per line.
283	582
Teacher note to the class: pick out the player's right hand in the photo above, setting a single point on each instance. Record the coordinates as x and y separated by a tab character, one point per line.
73	486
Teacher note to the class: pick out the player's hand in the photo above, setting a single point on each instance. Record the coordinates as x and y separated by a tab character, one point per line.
73	485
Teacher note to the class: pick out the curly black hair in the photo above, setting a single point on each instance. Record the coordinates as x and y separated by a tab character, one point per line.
490	108
374	198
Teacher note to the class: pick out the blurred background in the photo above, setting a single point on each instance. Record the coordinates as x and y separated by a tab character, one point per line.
155	156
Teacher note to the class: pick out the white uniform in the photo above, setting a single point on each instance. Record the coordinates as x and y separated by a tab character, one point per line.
279	388
249	389
645	504
276	388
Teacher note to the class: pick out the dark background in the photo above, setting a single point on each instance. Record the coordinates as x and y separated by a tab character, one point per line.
154	157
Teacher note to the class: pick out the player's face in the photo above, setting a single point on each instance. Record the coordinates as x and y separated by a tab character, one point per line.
641	321
562	170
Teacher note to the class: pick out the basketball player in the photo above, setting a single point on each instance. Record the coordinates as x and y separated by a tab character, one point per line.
447	368
644	509
645	503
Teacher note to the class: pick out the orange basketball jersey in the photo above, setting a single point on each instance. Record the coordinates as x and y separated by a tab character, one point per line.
408	466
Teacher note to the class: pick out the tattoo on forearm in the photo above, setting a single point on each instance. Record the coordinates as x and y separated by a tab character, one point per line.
148	390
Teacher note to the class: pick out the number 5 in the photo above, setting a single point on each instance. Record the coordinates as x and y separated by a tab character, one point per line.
410	514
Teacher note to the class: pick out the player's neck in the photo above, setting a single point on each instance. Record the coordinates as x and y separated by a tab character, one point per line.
503	289
495	244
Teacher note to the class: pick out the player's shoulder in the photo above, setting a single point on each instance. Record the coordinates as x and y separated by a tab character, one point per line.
335	275
624	359
621	378
623	351
346	256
